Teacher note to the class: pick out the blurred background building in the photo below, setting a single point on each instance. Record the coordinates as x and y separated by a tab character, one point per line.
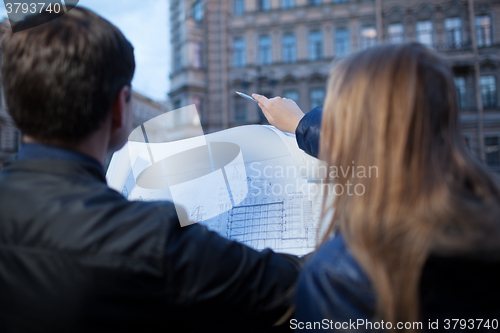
10	137
286	47
146	109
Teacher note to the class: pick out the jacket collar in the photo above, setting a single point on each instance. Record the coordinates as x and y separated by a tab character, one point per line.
64	168
38	151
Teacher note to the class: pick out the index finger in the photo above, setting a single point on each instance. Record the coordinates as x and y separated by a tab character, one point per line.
289	102
262	99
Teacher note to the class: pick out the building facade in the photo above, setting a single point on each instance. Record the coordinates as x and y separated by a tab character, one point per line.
286	48
10	136
146	109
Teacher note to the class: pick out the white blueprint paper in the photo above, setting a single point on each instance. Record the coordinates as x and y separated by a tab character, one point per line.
269	199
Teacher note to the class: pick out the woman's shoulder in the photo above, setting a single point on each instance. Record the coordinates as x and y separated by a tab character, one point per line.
334	259
333	286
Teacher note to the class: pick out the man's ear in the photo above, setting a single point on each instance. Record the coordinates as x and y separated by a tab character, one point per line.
119	113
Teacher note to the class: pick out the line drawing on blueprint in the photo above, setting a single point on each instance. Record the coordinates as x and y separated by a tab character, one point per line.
273	209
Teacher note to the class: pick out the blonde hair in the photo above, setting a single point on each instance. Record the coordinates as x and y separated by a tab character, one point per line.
393	107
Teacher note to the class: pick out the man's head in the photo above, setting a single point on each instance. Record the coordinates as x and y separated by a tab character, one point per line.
63	78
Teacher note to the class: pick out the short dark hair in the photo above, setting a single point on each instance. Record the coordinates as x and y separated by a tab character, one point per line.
60	78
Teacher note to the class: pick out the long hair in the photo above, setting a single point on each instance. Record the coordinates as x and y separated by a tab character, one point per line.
392	108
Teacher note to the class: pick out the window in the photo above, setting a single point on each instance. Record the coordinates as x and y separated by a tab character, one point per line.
461	92
491	150
177	104
342	42
315	45
238	7
314	2
265	50
285	4
177	59
198	11
292	94
424	33
339	1
264	5
289	53
197	55
240	110
453	27
239	53
316	97
15	144
467	142
262	118
488	86
483	31
368	37
396	33
176	35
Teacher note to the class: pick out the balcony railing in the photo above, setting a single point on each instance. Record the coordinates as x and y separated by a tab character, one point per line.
462	46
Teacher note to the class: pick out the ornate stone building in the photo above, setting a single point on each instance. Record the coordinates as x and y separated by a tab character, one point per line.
286	48
146	109
10	137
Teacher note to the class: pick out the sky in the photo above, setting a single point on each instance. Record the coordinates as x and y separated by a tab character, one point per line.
145	24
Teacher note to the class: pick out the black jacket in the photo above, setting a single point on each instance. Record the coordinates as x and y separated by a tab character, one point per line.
76	256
